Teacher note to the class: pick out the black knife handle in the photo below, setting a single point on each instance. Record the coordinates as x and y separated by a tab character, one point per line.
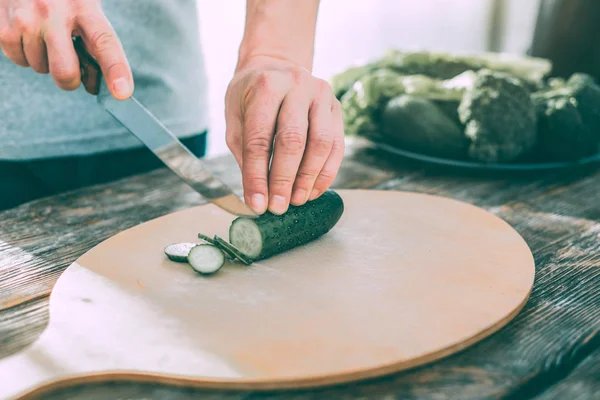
90	70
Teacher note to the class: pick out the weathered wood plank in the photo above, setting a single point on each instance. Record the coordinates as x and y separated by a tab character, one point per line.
583	383
21	325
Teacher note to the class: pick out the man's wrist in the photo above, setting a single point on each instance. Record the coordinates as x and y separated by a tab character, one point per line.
279	29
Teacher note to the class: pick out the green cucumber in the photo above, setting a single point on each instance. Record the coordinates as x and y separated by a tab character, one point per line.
209	240
271	234
178	252
231	250
206	259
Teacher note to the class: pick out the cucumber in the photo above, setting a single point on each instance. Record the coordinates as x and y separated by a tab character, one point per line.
271	234
178	252
209	240
231	250
206	259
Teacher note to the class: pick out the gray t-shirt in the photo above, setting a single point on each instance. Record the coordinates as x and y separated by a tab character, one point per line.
161	41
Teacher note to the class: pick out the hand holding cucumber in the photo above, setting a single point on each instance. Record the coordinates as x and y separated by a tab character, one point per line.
256	239
275	108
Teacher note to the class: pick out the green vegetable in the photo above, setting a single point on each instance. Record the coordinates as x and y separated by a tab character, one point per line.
206	259
272	234
212	241
442	65
178	252
233	252
417	124
499	118
343	81
568	114
363	104
587	94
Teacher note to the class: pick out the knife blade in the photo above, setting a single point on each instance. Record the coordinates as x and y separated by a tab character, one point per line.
140	122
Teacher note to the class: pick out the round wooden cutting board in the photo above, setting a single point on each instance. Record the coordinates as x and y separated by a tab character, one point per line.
403	279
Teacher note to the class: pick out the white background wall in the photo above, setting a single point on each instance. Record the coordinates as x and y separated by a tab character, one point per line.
350	30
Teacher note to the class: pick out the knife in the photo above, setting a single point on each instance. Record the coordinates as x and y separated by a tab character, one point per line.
140	122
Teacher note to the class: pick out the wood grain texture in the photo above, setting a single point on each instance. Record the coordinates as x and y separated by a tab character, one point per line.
558	216
583	383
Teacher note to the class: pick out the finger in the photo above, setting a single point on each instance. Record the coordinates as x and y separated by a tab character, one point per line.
334	161
104	45
290	142
233	137
5	27
12	40
318	148
63	63
259	122
34	48
4	18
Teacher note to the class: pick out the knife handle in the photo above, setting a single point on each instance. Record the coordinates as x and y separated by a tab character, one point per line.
90	70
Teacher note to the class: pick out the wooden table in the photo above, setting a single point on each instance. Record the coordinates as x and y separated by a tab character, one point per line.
550	351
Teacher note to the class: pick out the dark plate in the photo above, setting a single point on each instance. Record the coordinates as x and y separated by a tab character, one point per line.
489	167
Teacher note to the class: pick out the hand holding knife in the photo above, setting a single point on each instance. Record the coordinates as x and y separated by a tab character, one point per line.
164	144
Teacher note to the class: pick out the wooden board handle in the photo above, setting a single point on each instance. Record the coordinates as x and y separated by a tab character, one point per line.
23	371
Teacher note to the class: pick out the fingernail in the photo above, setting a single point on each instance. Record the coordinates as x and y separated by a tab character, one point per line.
258	203
278	205
122	87
314	194
299	196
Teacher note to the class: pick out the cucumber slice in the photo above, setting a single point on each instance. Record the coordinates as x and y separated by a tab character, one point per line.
178	252
206	259
270	234
208	239
229	248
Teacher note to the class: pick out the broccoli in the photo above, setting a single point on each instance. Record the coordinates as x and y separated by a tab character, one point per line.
499	117
568	114
587	94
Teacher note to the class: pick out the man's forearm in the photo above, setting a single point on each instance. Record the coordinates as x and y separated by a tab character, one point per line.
279	28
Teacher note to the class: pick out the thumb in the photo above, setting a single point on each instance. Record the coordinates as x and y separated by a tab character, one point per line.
104	45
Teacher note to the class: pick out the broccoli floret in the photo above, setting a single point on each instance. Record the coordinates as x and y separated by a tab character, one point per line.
499	117
568	114
587	94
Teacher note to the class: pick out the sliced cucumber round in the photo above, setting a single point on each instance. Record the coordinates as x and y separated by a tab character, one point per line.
178	252
206	259
271	234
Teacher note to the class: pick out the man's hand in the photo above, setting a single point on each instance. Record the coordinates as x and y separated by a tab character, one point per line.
275	107
284	126
38	34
